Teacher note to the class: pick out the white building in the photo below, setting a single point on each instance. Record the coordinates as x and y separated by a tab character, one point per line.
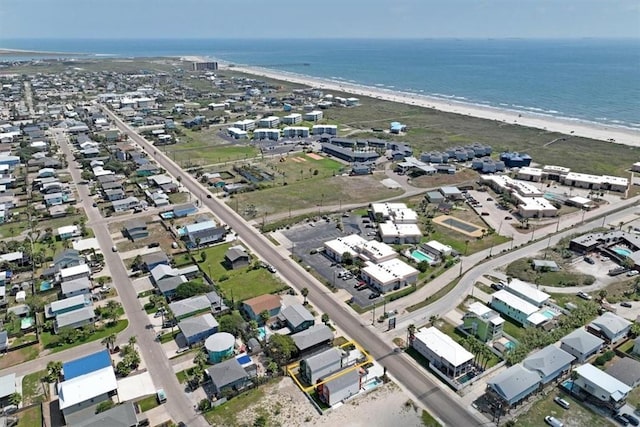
518	309
529	174
313	116
601	385
269	122
400	234
75	272
396	212
245	124
237	133
596	182
389	275
367	250
81	394
442	352
295	132
322	129
527	292
270	134
438	248
292	119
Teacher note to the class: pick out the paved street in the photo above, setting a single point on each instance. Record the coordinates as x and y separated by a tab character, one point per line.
442	402
158	365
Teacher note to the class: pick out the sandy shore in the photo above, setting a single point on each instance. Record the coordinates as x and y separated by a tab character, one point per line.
565	126
17	52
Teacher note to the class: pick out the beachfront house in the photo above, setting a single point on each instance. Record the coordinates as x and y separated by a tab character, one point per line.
605	389
581	344
610	327
483	322
513	385
442	352
321	365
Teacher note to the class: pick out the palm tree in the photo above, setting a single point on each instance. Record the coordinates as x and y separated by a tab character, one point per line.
304	292
264	316
54	369
132	341
109	341
411	333
200	359
325	318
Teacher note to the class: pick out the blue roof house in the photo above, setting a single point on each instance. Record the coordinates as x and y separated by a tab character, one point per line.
87	364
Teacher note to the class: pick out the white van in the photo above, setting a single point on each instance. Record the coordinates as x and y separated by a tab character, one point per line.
553	422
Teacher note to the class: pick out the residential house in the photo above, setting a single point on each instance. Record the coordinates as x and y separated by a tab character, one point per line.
54	199
296	317
602	387
550	363
181	211
75	272
122	415
527	292
254	306
66	305
7	388
512	306
310	340
114	194
482	322
125	204
76	287
544	265
197	329
154	259
148	169
626	370
4	340
135	229
514	384
321	365
236	257
68	232
442	352
88	381
610	327
228	376
75	319
197	304
203	233
340	388
168	285
581	344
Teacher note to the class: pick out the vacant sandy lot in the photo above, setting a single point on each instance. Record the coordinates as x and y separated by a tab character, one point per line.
287	406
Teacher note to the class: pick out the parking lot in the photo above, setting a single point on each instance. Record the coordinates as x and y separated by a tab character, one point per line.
309	236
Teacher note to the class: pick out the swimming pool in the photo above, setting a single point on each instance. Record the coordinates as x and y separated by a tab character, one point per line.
622	251
465	226
509	345
45	286
262	333
371	384
421	256
548	314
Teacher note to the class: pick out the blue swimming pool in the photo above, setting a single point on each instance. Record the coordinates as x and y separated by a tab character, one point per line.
262	333
244	359
45	286
510	345
371	384
622	251
548	314
421	256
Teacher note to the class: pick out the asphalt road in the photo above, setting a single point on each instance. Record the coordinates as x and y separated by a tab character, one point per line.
440	401
178	405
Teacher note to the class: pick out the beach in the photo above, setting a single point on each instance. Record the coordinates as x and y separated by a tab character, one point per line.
579	128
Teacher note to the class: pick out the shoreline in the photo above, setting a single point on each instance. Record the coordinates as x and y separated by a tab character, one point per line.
8	52
570	127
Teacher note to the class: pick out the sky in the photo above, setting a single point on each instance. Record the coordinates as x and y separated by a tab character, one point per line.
251	19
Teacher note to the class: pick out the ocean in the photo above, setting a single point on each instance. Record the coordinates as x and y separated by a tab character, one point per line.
588	80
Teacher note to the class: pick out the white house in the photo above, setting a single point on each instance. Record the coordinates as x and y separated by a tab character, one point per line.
601	385
389	275
442	352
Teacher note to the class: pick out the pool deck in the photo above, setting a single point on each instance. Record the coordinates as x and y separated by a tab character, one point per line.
440	220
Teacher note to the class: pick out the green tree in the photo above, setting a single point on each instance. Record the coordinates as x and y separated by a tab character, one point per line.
203	258
347	258
132	341
281	348
304	292
231	323
104	406
635	329
109	341
54	369
200	359
325	318
204	405
264	316
15	398
190	289
423	266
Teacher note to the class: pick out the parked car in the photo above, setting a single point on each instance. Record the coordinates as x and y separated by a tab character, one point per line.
625	304
584	295
633	273
161	396
94	204
374	295
153	245
632	420
553	422
621	420
114	249
182	350
507	218
497	286
560	401
589	260
208	196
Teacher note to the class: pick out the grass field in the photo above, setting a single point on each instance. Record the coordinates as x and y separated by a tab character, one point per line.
202	153
576	416
31	417
49	339
458	240
32	387
239	284
522	270
314	192
225	415
148	402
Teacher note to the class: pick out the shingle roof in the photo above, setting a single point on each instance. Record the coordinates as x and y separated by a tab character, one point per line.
312	336
626	370
195	325
321	360
123	415
296	314
548	360
227	372
610	324
582	341
513	381
263	302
